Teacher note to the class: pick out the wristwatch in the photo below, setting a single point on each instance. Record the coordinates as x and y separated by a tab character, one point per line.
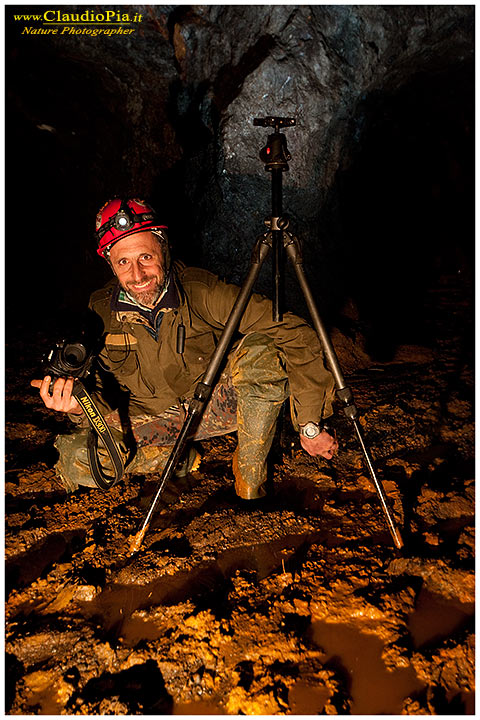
310	430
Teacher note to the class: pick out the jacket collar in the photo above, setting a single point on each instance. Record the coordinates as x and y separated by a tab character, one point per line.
127	310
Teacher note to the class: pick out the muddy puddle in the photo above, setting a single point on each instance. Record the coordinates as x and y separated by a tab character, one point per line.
374	688
436	618
301	607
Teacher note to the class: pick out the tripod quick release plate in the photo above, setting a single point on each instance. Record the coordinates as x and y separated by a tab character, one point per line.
275	122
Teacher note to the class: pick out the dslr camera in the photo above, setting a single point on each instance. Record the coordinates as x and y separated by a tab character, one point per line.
68	359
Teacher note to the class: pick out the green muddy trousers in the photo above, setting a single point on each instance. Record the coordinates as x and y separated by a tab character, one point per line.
247	398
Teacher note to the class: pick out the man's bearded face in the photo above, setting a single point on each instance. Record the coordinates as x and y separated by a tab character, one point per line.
139	264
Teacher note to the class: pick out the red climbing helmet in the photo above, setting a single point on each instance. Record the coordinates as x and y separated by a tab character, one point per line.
120	218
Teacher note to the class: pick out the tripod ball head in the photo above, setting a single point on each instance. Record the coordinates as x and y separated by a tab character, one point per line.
275	154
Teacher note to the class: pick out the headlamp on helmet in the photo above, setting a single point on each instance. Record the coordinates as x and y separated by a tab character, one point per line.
120	218
122	221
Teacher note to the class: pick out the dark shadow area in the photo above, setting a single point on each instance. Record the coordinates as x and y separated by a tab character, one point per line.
405	202
141	688
54	142
33	564
14	671
71	146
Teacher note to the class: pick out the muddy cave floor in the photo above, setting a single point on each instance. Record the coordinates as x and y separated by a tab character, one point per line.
302	607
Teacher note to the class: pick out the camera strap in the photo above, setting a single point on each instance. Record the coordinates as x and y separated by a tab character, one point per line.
99	428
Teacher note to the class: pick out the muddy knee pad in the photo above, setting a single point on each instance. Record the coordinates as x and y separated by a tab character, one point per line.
73	467
149	459
260	380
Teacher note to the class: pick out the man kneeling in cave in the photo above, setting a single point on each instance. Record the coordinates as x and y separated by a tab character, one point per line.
161	323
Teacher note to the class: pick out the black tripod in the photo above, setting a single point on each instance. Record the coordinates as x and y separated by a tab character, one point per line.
275	155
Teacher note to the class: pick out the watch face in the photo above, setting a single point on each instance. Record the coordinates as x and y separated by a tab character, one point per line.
310	430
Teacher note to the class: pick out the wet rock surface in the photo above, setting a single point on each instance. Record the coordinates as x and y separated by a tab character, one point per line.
300	606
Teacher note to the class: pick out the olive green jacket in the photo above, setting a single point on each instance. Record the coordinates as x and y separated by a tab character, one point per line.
157	376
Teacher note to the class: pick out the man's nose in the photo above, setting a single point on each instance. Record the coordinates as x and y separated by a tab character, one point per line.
137	272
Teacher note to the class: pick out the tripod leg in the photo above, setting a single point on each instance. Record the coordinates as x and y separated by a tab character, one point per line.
344	393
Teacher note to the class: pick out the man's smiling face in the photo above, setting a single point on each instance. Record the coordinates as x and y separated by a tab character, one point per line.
139	264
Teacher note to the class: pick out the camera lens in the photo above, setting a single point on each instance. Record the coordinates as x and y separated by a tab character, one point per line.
74	355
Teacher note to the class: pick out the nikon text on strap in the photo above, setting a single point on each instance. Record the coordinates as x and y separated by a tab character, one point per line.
99	428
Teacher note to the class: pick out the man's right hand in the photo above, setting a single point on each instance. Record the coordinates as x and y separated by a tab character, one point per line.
61	398
323	444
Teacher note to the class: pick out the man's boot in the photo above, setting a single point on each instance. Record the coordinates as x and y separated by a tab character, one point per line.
260	380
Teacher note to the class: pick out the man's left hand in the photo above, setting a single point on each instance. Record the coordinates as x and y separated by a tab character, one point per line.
324	445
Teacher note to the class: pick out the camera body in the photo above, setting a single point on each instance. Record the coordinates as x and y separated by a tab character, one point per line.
68	359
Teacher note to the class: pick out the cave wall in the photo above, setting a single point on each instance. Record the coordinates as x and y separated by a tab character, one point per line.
382	97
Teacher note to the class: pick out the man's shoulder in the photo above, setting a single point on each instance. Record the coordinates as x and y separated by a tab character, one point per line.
196	276
101	297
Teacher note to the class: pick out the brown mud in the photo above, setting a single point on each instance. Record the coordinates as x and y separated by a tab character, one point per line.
301	606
